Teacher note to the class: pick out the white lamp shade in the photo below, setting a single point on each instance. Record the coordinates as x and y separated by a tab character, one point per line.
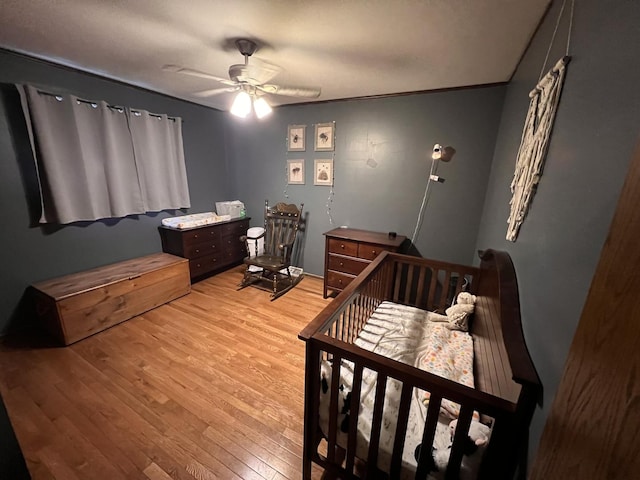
241	106
261	107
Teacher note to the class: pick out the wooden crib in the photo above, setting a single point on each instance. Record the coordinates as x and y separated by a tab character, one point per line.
507	385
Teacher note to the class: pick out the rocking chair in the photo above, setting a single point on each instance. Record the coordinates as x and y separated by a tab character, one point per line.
269	254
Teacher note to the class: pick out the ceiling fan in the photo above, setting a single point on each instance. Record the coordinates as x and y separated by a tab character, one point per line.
250	81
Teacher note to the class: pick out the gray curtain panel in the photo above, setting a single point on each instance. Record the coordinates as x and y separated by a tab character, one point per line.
87	159
159	155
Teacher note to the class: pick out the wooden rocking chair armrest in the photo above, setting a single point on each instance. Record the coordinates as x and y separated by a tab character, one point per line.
244	238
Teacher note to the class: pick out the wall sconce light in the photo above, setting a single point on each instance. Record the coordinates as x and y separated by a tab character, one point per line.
439	153
443	154
243	102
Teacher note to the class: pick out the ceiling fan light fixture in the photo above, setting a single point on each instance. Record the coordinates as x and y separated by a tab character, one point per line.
261	107
241	106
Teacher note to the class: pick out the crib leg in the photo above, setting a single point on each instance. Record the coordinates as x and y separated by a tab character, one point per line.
306	469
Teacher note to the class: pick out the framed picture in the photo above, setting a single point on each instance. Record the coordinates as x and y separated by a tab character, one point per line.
295	138
323	172
324	137
295	172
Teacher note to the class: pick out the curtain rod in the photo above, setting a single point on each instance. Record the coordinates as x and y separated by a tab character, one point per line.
113	107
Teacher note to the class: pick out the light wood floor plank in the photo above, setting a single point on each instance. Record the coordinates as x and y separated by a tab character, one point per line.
209	386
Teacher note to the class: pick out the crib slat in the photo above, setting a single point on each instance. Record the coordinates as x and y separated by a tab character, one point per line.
442	304
333	408
462	430
354	409
420	291
398	281
428	434
345	323
432	288
401	430
376	421
407	289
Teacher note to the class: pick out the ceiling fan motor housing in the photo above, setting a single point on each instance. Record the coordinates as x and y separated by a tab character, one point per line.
246	47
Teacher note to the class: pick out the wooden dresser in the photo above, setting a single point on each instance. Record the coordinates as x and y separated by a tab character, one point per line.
348	251
209	248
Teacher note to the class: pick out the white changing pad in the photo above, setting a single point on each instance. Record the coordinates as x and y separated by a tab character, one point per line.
194	220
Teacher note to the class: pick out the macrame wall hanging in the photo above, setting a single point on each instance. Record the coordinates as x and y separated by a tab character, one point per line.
544	99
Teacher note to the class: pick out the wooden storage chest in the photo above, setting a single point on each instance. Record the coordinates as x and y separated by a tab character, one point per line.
78	305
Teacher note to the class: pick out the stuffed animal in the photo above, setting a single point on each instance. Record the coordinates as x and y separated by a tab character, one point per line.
479	433
466	298
458	313
473	449
344	398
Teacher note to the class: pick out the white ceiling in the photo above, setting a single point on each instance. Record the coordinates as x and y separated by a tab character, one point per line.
348	48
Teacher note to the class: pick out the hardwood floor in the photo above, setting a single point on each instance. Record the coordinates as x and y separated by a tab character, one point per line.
208	386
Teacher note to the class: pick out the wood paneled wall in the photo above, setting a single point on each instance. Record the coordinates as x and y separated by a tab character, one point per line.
592	431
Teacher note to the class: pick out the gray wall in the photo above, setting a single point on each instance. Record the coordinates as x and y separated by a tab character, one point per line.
398	134
595	132
29	252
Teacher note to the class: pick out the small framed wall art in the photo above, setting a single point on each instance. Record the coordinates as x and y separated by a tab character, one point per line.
324	137
323	172
295	138
295	172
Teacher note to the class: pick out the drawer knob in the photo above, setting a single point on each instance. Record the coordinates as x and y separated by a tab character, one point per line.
211	233
198	265
342	245
195	236
374	252
340	282
342	264
197	251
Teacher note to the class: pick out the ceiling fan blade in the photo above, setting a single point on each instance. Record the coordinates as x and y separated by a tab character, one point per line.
253	74
215	91
290	91
262	71
196	73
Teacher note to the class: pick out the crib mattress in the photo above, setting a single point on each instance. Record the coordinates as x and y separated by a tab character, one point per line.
194	220
412	336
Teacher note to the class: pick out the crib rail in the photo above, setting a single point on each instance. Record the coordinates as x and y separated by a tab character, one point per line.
422	283
426	284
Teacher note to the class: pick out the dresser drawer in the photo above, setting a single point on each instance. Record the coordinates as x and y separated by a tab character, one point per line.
370	251
343	247
202	249
237	228
233	243
234	252
338	280
346	264
200	235
202	265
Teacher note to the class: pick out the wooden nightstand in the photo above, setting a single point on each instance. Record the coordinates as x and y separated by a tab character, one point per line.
348	251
